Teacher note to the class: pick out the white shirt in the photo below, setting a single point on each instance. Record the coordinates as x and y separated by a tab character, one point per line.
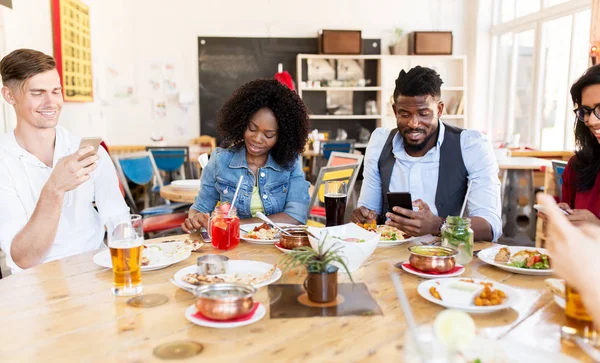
419	176
80	227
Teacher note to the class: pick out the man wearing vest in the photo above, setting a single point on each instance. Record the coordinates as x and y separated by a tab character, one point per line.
432	161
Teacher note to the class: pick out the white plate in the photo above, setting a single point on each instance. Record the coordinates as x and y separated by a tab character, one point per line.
510	350
235	266
488	255
250	227
173	252
512	296
430	276
560	302
260	313
190	184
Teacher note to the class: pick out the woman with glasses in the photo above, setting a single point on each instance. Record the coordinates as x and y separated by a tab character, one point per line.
581	178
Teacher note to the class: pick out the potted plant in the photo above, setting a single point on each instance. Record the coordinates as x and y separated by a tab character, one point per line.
394	46
321	280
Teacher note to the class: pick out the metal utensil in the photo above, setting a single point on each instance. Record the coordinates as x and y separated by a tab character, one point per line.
273	224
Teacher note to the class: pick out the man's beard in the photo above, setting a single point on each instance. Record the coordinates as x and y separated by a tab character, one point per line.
417	147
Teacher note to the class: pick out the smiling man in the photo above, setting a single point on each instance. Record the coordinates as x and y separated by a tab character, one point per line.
432	161
47	190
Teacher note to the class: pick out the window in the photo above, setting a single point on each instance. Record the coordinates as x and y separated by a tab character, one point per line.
540	48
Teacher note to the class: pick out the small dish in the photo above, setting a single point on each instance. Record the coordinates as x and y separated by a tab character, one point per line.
456	271
190	314
432	259
224	301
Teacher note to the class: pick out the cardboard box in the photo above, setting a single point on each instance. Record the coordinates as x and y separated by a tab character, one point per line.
430	43
340	42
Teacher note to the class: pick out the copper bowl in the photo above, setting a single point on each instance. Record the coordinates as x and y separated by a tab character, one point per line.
432	258
299	238
224	301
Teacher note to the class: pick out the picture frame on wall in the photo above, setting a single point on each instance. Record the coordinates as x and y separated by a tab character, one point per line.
72	49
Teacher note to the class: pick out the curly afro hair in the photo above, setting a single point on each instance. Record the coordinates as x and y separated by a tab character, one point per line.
289	110
418	81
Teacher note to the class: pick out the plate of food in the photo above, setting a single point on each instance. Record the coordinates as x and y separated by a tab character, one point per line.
154	256
260	233
253	273
470	295
520	260
558	288
390	236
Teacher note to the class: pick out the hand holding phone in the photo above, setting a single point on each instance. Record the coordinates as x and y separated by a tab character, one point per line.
399	199
89	141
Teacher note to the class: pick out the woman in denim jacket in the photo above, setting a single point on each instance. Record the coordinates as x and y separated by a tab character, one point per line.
265	126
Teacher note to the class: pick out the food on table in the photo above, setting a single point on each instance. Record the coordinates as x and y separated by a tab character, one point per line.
349	239
389	233
369	226
454	329
503	255
489	296
250	279
151	254
195	244
430	252
530	259
557	286
433	291
264	232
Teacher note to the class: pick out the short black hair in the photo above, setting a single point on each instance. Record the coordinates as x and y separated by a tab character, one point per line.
587	162
287	107
418	81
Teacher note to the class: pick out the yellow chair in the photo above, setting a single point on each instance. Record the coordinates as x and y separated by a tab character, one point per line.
347	173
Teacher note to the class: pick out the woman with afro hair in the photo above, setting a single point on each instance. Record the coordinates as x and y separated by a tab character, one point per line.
265	126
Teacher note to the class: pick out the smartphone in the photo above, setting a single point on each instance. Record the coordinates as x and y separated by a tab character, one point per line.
540	208
205	235
399	199
90	141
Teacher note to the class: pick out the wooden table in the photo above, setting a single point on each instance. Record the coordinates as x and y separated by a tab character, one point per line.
178	194
64	311
523	163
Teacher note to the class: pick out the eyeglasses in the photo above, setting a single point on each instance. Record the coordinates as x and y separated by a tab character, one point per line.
583	111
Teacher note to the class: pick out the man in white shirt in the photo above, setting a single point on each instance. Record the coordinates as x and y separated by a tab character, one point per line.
432	161
47	196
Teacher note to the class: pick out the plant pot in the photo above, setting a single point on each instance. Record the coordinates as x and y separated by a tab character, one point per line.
322	287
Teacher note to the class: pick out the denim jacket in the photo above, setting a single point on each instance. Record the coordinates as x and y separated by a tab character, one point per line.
281	189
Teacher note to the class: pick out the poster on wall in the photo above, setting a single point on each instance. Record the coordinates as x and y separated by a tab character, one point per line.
72	49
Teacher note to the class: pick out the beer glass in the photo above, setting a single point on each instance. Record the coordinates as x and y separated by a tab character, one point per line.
335	202
125	241
578	322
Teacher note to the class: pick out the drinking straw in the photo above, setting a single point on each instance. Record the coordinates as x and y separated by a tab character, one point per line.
235	195
462	210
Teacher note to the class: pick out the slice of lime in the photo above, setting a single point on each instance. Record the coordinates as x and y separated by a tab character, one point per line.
454	329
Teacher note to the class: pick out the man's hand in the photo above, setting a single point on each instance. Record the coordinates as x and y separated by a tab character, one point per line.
69	173
363	215
418	223
195	223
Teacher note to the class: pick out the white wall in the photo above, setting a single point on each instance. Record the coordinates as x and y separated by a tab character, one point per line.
130	35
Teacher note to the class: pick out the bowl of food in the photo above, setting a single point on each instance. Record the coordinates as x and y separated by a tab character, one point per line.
298	238
356	244
224	301
432	258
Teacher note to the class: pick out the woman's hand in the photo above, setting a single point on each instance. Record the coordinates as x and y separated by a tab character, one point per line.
580	217
195	222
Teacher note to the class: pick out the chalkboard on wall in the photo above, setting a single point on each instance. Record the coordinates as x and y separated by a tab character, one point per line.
224	64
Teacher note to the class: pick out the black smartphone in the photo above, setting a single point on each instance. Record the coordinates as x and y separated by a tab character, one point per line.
399	199
205	235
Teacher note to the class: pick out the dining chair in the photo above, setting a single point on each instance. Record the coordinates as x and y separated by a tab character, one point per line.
171	158
558	166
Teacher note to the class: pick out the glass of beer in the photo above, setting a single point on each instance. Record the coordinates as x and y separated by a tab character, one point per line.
125	241
335	202
578	322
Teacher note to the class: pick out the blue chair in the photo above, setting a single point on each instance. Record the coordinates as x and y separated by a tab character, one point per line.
558	166
140	168
170	158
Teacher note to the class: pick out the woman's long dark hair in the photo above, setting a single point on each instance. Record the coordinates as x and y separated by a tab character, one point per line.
587	161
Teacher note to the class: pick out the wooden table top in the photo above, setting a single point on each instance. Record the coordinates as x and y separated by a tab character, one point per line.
523	163
64	311
178	194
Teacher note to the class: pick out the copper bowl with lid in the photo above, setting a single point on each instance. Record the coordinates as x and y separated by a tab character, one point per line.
224	301
432	258
298	238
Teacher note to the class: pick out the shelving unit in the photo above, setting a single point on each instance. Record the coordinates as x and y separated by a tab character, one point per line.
381	71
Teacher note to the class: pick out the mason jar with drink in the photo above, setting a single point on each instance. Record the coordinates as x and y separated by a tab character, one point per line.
457	234
224	227
125	240
335	202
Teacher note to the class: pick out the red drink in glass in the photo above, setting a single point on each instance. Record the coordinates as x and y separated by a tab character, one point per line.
225	232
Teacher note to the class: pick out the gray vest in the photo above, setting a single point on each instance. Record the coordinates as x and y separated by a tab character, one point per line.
452	178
